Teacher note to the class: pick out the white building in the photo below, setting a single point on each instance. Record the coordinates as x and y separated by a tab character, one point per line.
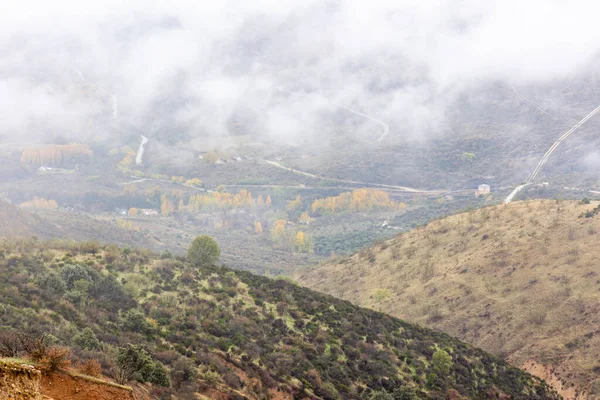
482	190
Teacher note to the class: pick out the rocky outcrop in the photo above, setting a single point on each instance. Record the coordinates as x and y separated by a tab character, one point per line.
19	381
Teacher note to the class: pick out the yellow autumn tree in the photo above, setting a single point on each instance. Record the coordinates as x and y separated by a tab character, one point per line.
304	218
217	200
303	242
260	202
268	202
258	228
211	157
294	205
40	203
278	231
166	206
55	154
127	225
193	182
243	199
299	241
133	212
358	200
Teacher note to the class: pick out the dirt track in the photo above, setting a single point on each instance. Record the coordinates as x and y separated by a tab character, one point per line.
377	185
61	386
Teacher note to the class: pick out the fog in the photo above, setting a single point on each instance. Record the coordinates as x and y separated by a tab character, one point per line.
283	67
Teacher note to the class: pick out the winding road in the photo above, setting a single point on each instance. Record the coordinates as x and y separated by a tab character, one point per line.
558	142
548	153
379	185
385	127
521	95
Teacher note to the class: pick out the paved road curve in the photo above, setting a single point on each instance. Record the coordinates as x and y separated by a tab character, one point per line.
548	153
558	142
385	127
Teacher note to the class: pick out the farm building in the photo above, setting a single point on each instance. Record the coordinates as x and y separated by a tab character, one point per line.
482	190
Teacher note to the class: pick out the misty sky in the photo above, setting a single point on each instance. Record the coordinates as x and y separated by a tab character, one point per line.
194	63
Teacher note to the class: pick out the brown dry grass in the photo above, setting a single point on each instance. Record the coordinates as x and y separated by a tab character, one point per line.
521	281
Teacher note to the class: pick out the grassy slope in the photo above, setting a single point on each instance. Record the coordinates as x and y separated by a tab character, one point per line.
258	335
519	280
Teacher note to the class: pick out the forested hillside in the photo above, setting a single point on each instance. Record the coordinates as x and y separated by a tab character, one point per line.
187	328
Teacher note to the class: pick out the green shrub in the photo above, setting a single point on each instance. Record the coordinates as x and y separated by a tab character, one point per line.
441	362
52	283
204	250
134	362
87	339
73	272
135	321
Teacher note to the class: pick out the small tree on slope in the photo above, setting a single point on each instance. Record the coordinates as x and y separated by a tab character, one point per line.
204	250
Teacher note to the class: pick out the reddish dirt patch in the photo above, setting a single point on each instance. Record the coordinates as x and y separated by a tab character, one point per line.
213	393
277	395
61	386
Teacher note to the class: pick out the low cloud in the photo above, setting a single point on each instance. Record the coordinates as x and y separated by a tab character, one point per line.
192	66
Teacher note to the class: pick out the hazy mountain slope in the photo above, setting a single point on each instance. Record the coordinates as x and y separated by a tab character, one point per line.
506	134
519	280
15	221
54	224
234	335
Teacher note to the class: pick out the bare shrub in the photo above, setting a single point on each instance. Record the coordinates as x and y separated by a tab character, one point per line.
10	344
573	255
368	254
433	242
572	233
434	313
461	245
382	244
410	251
232	380
485	214
35	346
55	359
89	367
428	273
537	317
534	221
